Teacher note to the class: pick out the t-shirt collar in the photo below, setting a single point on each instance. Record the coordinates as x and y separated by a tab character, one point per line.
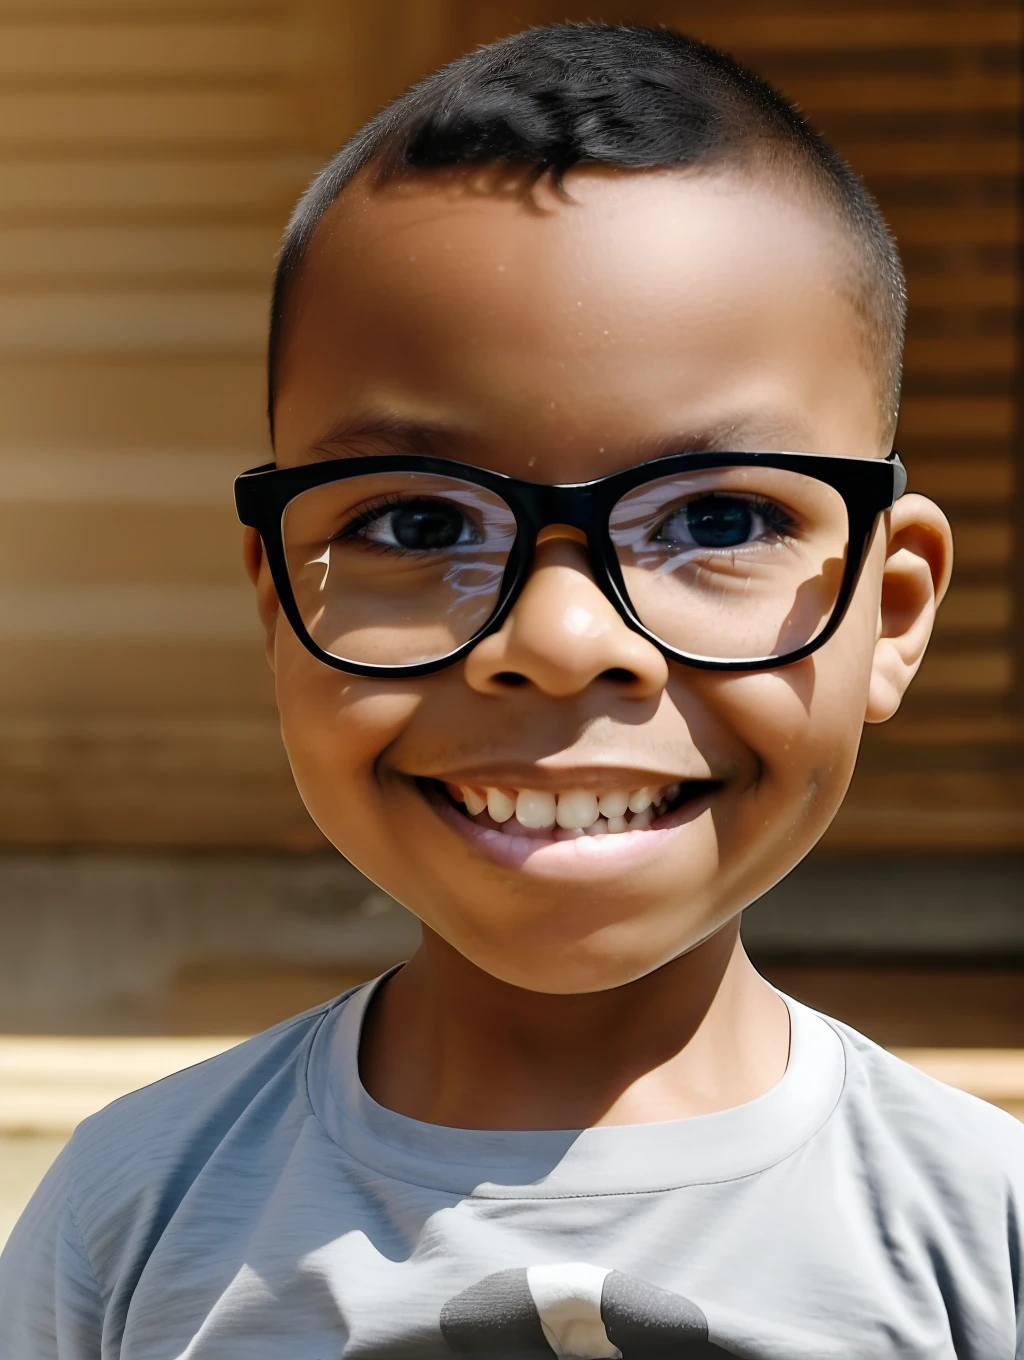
608	1160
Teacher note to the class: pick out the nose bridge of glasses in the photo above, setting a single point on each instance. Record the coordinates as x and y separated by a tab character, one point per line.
561	512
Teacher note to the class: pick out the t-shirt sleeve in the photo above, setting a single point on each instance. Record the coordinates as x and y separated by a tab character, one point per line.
50	1306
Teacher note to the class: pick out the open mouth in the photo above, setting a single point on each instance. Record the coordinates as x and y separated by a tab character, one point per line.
541	815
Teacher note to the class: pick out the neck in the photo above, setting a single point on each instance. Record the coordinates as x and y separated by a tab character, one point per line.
448	1044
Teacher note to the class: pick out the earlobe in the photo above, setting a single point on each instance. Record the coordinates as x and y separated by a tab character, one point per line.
267	604
919	559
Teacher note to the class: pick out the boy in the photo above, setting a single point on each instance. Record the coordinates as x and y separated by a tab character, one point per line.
572	653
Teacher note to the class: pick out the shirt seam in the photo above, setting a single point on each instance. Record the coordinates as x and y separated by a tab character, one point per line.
600	1194
76	1221
603	1194
331	1005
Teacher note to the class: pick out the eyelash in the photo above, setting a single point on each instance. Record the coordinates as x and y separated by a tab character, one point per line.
369	515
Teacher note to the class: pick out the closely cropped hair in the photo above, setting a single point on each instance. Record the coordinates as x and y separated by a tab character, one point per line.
621	95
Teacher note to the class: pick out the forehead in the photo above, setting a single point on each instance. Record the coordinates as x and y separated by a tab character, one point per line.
641	306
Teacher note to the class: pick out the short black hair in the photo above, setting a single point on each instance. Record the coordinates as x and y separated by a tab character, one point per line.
625	95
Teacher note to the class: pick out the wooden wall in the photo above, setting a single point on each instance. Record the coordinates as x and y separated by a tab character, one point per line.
149	154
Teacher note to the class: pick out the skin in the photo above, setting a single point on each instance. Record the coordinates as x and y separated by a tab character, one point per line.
560	340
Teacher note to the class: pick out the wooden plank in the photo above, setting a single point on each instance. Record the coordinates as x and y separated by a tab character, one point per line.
106	675
897	160
901	93
932	811
258	994
484	20
205	322
59	11
998	225
54	543
975	609
264	183
40	488
978	727
979	672
89	611
224	253
995	355
95	406
157	118
899	1003
967	481
242	47
147	809
152	780
757	32
948	287
246	741
962	417
983	543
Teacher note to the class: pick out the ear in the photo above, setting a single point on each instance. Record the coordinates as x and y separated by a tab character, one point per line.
267	605
918	562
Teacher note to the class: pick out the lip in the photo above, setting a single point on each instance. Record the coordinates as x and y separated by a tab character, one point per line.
582	857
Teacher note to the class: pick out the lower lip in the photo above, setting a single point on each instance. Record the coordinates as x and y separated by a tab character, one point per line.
582	855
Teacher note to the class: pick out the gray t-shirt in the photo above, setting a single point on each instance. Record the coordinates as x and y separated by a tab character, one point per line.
261	1206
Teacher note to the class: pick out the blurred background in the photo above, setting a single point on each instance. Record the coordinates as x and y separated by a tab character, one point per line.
161	887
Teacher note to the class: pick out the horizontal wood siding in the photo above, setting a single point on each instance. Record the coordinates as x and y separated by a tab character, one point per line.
149	156
150	151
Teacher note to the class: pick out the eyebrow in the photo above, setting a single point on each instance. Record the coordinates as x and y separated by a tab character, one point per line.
752	430
395	433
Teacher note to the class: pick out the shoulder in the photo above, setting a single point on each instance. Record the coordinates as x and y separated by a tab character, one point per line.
73	1259
130	1166
945	1134
209	1096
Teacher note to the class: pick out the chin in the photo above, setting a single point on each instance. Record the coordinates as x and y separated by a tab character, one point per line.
574	967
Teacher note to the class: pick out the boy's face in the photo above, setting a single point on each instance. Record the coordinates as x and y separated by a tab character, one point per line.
559	341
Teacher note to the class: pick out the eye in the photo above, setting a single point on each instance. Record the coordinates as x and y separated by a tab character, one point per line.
417	526
721	522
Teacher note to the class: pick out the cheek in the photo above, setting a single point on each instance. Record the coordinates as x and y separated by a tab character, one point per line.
335	727
803	722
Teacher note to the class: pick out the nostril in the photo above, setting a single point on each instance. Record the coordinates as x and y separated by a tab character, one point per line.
510	679
619	676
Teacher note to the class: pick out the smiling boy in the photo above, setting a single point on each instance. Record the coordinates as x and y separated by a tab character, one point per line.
583	560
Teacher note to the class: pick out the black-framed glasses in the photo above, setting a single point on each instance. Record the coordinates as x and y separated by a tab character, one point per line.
398	565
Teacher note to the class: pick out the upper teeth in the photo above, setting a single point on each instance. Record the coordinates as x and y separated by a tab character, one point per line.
574	810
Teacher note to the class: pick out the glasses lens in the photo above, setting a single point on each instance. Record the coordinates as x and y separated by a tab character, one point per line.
733	563
394	569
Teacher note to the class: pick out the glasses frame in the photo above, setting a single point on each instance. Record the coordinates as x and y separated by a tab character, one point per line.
868	486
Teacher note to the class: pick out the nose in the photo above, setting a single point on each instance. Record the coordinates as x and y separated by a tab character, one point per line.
564	634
